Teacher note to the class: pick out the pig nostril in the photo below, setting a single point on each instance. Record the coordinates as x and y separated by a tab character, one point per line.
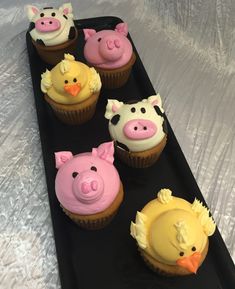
50	22
135	128
42	23
145	128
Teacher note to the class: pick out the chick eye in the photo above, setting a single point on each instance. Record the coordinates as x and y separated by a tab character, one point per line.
143	110
66	81
194	248
99	39
75	80
53	14
74	174
93	168
42	14
181	254
132	109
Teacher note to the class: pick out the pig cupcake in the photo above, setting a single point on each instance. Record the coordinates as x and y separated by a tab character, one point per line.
88	186
111	53
52	31
72	89
138	129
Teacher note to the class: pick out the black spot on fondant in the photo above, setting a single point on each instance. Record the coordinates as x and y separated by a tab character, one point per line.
65	17
122	146
133	109
181	254
93	168
74	174
53	14
99	39
72	32
39	41
164	127
42	14
158	111
31	26
194	248
115	119
143	110
47	8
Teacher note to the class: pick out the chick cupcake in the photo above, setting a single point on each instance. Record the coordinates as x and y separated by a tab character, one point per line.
111	53
138	129
88	186
172	234
72	90
52	31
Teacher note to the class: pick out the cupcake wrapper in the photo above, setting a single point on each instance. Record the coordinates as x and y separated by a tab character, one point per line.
141	160
54	54
74	114
117	77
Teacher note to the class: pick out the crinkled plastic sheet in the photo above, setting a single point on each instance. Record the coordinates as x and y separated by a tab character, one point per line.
188	50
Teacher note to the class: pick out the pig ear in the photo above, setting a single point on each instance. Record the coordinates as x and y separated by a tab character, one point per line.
155	100
67	9
105	151
88	33
31	11
62	157
122	28
112	107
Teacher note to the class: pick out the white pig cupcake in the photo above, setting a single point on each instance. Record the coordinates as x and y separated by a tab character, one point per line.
52	31
138	129
88	186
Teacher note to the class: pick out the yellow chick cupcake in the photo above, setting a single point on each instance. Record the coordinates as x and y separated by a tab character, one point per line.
72	90
172	234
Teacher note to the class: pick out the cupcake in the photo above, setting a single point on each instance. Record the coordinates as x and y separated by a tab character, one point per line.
172	234
72	89
52	31
111	53
88	186
138	129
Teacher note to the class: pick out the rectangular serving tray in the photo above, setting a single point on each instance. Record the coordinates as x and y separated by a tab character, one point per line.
109	258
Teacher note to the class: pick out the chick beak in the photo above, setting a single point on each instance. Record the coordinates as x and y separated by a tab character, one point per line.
191	263
73	89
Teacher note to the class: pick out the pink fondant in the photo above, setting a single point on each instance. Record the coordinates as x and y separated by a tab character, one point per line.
66	11
62	157
107	48
94	186
138	129
47	24
88	33
122	28
35	10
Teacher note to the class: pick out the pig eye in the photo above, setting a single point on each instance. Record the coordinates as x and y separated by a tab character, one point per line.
143	110
53	14
194	248
75	80
74	174
99	39
66	81
93	168
181	254
133	109
42	14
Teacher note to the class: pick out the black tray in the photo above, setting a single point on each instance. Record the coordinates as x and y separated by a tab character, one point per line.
108	258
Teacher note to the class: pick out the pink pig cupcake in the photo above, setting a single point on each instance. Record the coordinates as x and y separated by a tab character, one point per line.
88	186
111	53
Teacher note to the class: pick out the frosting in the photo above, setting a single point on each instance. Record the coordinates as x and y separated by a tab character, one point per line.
138	126
172	231
70	81
51	26
87	183
107	48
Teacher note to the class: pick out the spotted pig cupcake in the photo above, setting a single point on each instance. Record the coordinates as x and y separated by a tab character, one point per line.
88	186
138	129
111	53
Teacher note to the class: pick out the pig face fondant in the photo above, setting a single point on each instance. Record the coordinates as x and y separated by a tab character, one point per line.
50	26
137	126
87	183
107	48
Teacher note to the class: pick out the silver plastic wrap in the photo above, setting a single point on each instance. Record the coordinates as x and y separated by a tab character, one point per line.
188	50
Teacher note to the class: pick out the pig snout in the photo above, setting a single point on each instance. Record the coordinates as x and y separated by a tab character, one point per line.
88	186
47	24
111	48
137	129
